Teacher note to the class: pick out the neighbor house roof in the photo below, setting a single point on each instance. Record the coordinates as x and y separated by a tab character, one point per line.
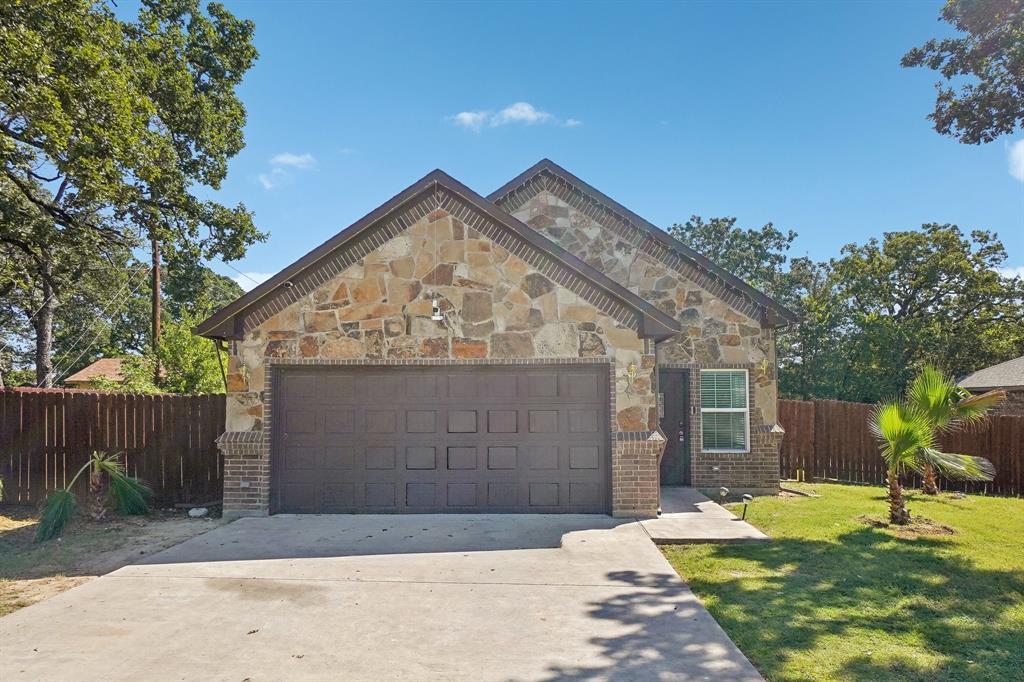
708	275
1009	374
436	190
104	367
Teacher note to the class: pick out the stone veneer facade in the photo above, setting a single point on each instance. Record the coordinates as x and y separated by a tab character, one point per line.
721	328
500	305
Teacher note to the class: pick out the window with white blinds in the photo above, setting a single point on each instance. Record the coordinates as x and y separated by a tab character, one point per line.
724	410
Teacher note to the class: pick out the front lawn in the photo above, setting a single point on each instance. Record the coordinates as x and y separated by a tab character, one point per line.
31	571
835	597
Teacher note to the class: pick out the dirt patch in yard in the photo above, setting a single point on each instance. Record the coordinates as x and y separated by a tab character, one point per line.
918	527
30	571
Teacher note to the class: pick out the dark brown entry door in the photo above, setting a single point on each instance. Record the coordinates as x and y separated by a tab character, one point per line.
675	422
441	439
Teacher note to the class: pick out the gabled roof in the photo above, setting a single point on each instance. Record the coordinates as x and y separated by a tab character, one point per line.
1009	374
104	367
436	189
774	313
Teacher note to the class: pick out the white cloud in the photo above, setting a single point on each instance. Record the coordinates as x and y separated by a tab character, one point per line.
300	161
272	179
1012	271
1016	159
474	120
281	166
249	280
518	112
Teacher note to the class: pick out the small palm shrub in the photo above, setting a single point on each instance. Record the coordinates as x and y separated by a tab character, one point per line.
907	431
109	488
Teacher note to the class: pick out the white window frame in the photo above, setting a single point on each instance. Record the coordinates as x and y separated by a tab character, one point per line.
745	410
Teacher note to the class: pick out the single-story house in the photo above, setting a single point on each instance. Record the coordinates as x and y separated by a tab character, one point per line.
88	376
1008	376
543	349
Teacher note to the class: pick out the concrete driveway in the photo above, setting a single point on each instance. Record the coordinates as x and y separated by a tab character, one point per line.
382	598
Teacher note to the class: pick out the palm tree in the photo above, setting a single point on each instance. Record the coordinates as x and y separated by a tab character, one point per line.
109	486
948	407
908	443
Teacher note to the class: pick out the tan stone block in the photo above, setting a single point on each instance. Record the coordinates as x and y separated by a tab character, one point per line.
368	311
632	419
434	348
488	275
478	260
453	251
371	324
309	346
517	297
468	348
624	339
367	290
420	307
256	378
729	340
236	383
511	345
515	268
440	230
403	290
341	293
733	316
424	263
548	304
403	267
320	321
377	269
578	313
403	347
343	347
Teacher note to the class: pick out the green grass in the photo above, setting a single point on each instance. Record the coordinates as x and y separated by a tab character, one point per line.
834	598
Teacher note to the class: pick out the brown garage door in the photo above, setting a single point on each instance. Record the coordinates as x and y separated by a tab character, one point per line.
441	439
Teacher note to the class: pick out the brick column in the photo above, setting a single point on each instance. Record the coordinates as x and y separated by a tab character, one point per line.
636	458
246	474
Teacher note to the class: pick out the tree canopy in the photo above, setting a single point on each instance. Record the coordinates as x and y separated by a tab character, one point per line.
877	313
113	132
981	95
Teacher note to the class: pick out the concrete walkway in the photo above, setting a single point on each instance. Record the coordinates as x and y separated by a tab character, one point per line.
689	517
383	598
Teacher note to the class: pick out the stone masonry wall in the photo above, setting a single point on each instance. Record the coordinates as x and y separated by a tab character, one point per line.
715	334
495	305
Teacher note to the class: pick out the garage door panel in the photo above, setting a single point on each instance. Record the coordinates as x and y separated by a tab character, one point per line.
462	458
543	421
421	495
421	457
381	494
502	421
502	457
462	421
339	458
380	457
462	494
421	421
381	421
438	439
339	421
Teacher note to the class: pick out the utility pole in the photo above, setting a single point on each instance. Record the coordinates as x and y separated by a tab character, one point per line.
155	272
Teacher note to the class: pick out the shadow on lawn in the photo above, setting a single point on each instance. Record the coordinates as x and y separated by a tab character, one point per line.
816	588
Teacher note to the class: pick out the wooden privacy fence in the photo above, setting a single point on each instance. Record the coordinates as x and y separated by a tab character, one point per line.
829	439
167	441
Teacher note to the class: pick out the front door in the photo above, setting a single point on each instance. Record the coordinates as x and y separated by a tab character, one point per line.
675	423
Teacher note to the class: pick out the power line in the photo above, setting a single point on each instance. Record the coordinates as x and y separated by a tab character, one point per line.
106	311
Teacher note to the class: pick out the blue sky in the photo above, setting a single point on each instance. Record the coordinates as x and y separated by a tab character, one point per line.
794	113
